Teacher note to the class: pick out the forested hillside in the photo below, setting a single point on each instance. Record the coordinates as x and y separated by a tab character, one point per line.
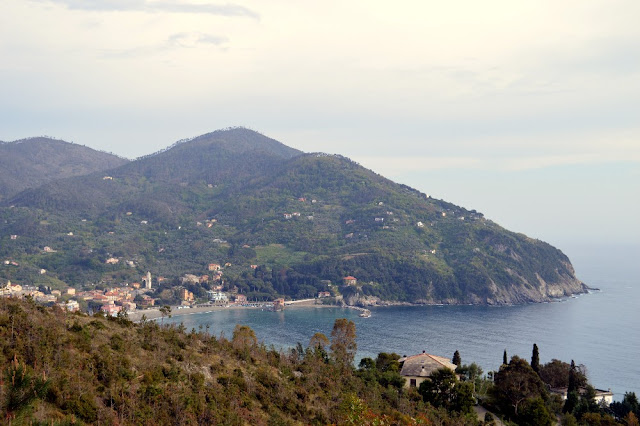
284	223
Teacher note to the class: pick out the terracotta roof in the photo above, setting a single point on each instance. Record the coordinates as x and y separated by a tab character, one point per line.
422	365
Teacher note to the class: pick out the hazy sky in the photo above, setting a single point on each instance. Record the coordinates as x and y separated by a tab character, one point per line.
528	111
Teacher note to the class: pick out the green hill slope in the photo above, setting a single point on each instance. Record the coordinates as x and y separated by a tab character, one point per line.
32	162
287	223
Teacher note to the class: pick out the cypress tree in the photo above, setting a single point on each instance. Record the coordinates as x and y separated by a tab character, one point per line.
535	359
504	357
572	378
456	359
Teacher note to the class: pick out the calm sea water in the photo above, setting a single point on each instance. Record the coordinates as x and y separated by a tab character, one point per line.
600	330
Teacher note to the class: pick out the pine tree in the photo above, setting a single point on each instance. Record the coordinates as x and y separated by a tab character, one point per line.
535	359
504	358
456	359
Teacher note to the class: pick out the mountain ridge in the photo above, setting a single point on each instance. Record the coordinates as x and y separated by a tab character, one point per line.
31	162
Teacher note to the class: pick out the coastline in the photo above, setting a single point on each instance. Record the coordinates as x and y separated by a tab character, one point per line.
177	311
154	313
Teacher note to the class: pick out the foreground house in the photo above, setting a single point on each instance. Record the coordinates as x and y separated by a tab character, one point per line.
417	368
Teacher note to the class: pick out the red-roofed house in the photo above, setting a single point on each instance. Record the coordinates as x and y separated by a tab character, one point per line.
350	280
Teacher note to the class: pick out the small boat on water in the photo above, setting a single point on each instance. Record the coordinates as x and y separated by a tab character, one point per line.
365	314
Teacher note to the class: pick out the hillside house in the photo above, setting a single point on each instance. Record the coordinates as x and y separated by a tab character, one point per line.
420	225
287	215
379	219
129	306
46	298
14	237
322	294
218	296
70	306
111	309
241	298
185	295
417	368
189	279
147	301
112	296
214	267
350	280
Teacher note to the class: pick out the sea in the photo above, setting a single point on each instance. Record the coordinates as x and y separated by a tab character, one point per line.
600	330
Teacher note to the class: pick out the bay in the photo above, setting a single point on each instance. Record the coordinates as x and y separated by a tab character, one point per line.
600	330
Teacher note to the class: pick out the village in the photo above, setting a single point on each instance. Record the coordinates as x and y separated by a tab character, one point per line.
134	298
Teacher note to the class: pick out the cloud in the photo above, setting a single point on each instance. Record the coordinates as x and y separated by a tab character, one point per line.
154	6
194	39
173	42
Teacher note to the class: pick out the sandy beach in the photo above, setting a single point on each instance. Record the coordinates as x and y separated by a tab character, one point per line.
176	311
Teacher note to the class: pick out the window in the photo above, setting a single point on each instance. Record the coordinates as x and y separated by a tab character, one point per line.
412	383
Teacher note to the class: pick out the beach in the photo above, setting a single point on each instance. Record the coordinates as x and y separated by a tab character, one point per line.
177	311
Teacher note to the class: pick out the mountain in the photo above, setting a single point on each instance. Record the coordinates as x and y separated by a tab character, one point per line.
285	223
155	183
29	163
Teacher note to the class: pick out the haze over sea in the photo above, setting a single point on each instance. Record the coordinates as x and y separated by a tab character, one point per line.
600	330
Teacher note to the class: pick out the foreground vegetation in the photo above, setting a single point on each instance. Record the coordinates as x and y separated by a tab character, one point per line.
65	369
61	368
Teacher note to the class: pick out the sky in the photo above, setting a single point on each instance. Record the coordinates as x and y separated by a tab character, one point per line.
528	111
